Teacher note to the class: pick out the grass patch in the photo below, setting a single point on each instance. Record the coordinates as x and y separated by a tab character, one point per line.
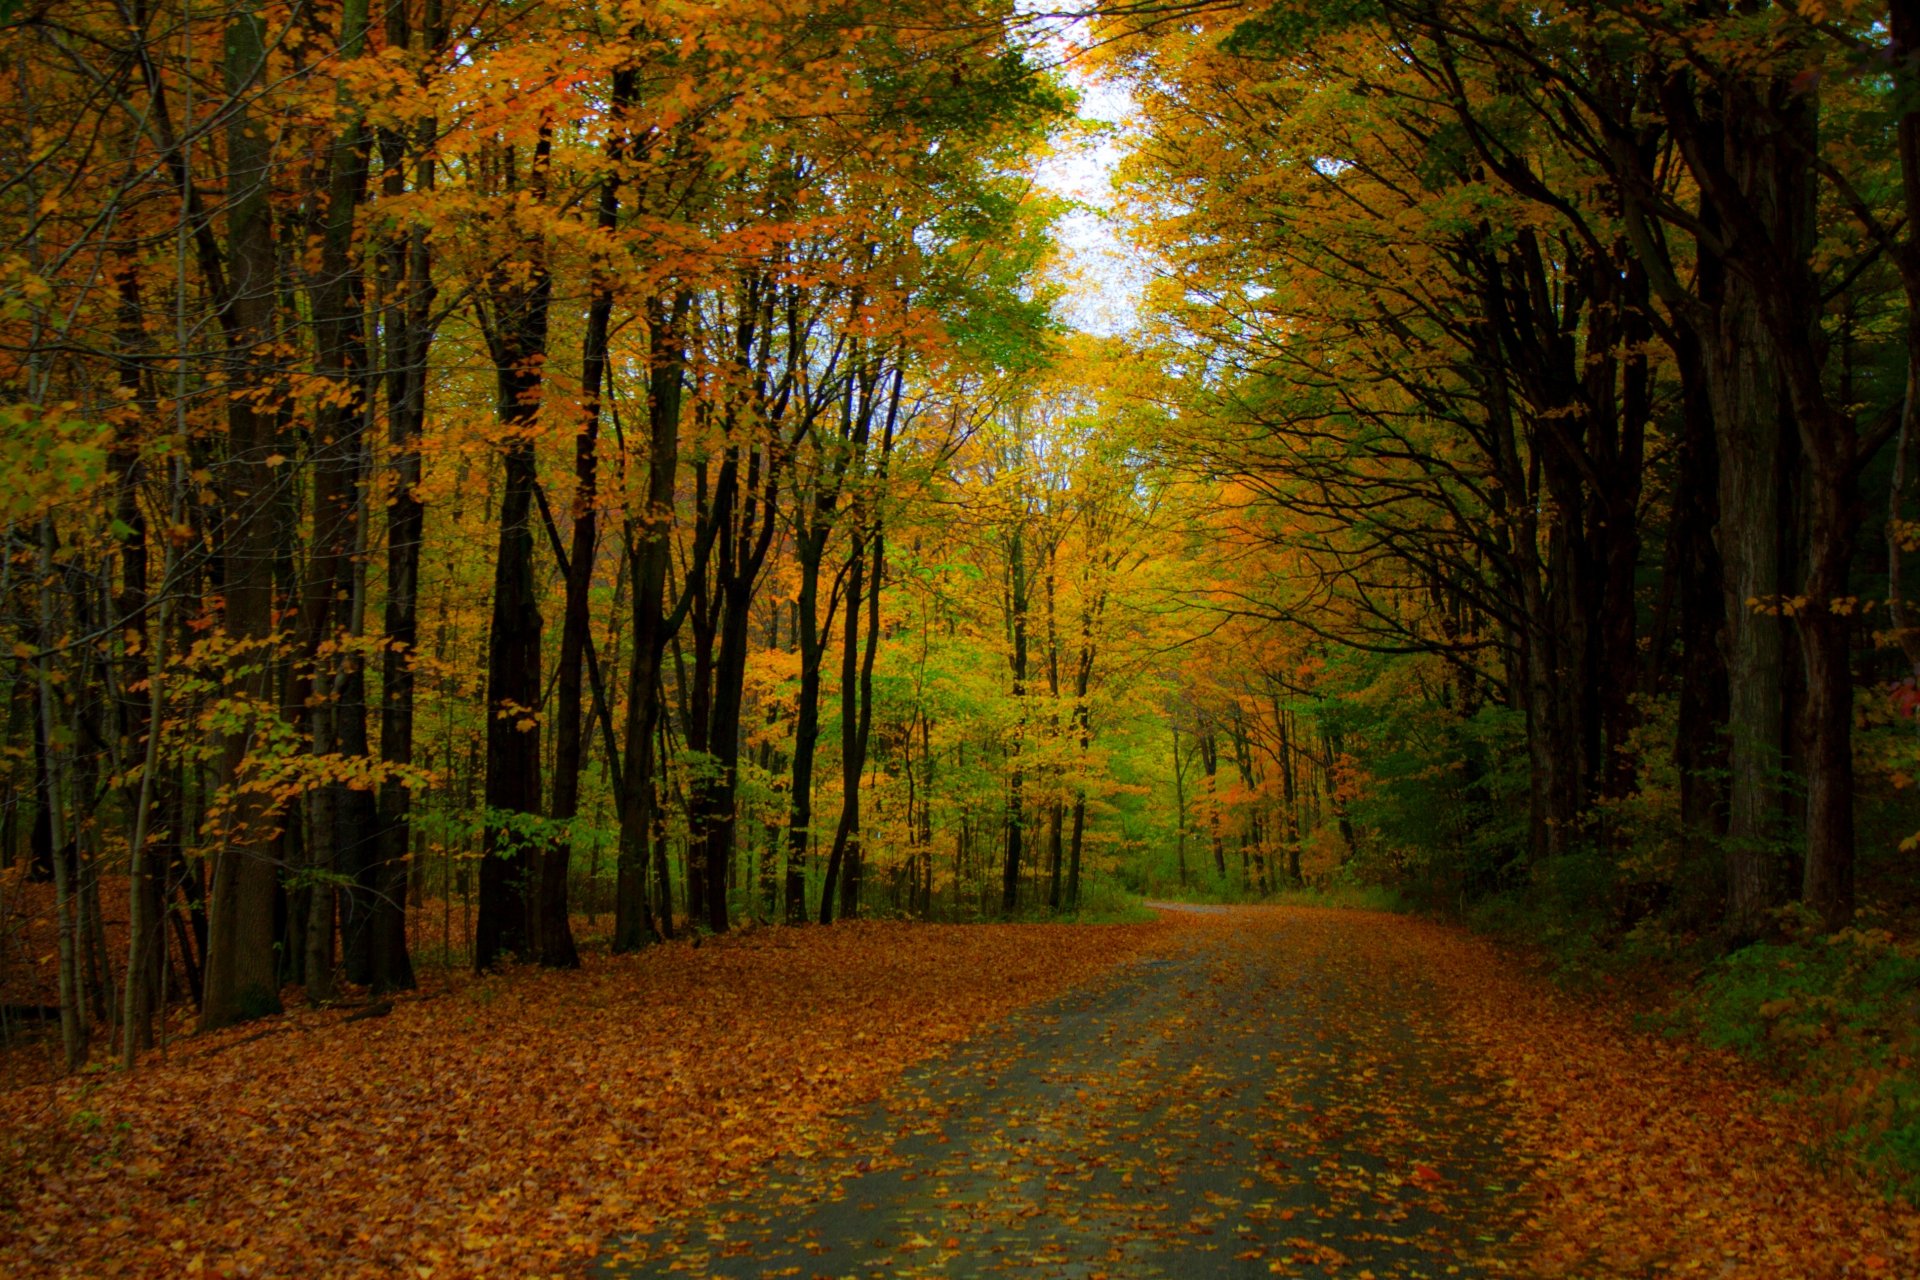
1837	1018
1348	897
1344	894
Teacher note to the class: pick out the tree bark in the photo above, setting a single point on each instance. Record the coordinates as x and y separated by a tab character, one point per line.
240	979
649	551
517	339
557	948
1016	799
408	293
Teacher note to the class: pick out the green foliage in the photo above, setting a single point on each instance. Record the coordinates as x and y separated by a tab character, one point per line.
1345	894
1287	28
65	456
984	283
971	101
1104	900
1447	801
1839	1018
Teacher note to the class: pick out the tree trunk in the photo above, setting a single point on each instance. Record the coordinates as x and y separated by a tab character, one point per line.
809	548
1210	767
1288	794
856	849
518	342
240	979
73	1022
1179	806
649	554
408	294
845	861
557	948
846	832
1016	800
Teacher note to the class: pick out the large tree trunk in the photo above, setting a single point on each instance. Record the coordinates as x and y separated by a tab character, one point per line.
649	549
1825	636
320	689
1692	573
1755	201
408	295
518	341
557	948
1833	455
1747	414
241	979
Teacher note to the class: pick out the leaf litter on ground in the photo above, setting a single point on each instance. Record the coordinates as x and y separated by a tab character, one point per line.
511	1125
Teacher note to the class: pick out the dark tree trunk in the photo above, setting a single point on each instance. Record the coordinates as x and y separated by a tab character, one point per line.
1904	27
809	549
844	862
1288	794
863	734
1754	200
518	341
557	948
40	836
649	551
407	270
133	719
1693	573
1210	767
1016	778
1179	806
241	979
846	832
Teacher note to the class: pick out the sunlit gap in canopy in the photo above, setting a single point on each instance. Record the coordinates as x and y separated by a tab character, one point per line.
1103	275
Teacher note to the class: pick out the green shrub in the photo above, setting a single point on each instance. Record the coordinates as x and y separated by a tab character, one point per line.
1838	1018
1106	901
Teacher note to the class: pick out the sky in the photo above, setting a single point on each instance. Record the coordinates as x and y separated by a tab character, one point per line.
1104	278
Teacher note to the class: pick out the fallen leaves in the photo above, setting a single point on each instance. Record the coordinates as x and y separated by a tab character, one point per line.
1256	1095
1653	1154
504	1125
509	1125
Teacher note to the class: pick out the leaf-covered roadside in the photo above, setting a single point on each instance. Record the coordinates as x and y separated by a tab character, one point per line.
1836	1019
1656	1156
501	1126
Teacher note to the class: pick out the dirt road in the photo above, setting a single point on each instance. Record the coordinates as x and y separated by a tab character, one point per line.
1271	1096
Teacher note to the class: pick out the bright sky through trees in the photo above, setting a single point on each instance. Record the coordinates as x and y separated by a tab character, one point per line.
1104	275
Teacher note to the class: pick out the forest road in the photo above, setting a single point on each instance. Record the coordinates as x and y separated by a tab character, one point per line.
1264	1097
